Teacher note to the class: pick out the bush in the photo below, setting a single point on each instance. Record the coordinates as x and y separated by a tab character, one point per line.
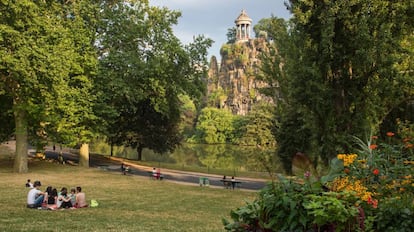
293	206
369	191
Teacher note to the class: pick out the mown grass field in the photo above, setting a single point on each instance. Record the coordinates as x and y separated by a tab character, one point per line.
126	203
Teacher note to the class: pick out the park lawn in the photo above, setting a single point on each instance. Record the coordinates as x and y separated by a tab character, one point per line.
126	203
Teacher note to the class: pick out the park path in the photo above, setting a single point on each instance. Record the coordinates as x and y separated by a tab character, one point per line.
113	164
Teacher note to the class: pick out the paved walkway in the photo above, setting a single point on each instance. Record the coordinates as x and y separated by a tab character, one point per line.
181	177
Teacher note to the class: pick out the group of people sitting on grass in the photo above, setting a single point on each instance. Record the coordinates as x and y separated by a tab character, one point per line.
52	199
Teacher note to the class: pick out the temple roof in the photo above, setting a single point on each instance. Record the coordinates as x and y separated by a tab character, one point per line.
243	18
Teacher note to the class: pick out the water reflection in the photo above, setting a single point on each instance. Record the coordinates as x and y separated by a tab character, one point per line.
219	156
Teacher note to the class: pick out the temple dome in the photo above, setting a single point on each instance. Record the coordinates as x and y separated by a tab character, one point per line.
243	18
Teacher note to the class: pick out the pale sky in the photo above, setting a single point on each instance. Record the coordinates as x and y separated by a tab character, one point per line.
212	18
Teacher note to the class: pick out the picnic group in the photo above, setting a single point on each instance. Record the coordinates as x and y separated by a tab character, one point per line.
52	199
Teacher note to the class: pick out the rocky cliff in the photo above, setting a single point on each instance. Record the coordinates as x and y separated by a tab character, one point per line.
234	84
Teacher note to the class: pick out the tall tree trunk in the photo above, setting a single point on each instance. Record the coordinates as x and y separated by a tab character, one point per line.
84	155
139	151
20	160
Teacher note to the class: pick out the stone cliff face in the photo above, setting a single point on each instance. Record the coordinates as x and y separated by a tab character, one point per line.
234	85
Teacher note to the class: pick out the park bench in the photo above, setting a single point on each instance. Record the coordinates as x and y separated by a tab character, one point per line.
159	176
203	181
231	183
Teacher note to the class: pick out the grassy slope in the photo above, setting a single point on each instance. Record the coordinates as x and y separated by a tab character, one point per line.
126	203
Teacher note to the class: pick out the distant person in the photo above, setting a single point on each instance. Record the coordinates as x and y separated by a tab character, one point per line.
158	174
154	173
72	196
123	168
60	158
63	199
225	182
233	182
80	198
29	184
35	197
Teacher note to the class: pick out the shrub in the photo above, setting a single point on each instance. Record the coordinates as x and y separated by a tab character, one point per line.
369	191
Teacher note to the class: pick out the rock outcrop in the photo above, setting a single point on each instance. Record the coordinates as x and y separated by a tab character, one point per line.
234	84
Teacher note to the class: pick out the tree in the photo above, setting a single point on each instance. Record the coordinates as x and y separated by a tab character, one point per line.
143	70
257	127
80	123
231	35
39	69
342	70
214	126
271	28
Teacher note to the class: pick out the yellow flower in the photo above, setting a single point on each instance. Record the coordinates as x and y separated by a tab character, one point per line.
363	161
348	159
351	185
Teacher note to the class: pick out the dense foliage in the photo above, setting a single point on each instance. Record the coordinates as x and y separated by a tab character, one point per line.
219	126
342	66
45	47
144	69
73	69
368	191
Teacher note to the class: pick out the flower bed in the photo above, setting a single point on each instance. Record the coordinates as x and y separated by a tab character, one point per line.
369	191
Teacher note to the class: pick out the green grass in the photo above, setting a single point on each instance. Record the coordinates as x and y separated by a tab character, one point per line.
126	203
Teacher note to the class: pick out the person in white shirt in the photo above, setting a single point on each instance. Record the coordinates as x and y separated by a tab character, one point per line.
35	197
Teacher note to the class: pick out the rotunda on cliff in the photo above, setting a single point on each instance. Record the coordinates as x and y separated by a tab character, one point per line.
243	27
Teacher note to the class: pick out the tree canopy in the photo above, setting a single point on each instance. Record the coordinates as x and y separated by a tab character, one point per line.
43	70
342	67
72	69
144	69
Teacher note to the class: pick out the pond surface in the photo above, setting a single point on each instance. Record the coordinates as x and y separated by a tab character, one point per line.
218	156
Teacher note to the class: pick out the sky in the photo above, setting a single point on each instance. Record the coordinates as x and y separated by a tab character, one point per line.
213	18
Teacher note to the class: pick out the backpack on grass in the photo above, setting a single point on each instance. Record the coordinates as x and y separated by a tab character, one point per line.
94	203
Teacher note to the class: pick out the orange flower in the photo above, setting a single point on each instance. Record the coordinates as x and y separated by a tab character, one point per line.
374	137
390	134
373	146
376	172
406	140
409	145
373	202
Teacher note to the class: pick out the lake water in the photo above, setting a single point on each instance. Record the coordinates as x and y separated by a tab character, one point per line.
218	156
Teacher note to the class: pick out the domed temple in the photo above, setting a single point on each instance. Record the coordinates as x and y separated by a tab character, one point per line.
243	27
233	84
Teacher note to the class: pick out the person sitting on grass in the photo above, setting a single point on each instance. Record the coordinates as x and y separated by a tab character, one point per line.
29	184
63	199
52	198
80	198
72	196
35	197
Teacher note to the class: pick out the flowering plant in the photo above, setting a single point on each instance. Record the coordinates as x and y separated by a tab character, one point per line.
369	190
381	171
